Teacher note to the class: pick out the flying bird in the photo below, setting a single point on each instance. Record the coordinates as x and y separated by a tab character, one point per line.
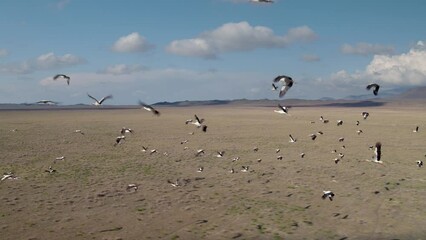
220	154
313	136
131	187
287	84
244	168
302	155
282	110
359	131
99	102
125	130
339	122
199	152
357	123
341	139
419	163
292	140
9	175
322	119
375	87
365	115
62	76
119	139
149	108
79	131
198	122
47	102
262	1
328	194
200	169
50	170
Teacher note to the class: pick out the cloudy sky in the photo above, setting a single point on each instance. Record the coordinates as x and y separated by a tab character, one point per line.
173	50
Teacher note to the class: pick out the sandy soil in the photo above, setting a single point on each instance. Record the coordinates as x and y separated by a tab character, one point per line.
86	198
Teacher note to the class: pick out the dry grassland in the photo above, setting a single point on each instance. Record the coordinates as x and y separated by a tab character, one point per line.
277	199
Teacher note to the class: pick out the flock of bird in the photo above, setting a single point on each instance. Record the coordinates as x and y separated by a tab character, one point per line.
286	84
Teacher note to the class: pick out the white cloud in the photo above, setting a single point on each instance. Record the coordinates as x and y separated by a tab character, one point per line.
131	43
366	49
406	69
310	58
120	69
3	52
46	61
236	37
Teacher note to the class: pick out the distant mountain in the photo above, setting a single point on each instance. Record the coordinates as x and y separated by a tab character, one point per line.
389	93
413	93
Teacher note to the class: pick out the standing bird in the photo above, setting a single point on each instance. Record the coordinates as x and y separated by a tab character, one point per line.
416	129
375	86
62	76
377	153
287	84
99	102
313	136
328	194
125	130
339	122
149	108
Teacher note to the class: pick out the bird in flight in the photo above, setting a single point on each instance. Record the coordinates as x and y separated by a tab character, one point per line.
377	153
198	122
99	102
292	139
365	115
149	108
262	1
419	163
375	87
119	139
283	110
416	129
57	76
125	130
47	102
287	84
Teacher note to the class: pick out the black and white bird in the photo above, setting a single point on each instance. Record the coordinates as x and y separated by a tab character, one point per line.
47	102
313	136
416	129
359	131
262	1
280	157
302	155
60	158
419	163
57	76
322	119
198	122
149	108
287	84
277	150
144	149
50	170
365	115
357	123
119	139
341	139
174	184
244	168
292	139
99	102
339	122
132	187
153	151
375	87
200	169
282	109
200	152
9	175
79	131
328	194
220	154
377	153
255	149
125	130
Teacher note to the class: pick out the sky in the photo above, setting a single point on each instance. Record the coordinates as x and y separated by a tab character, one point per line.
176	50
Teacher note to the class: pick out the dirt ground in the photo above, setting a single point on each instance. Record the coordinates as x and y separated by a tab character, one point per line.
87	196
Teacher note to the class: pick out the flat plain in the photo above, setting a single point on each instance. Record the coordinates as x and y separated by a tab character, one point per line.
87	196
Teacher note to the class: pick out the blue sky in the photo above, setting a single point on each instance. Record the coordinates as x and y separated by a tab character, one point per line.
172	50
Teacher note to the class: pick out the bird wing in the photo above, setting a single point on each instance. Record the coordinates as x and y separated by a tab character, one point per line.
288	81
283	90
57	76
92	98
105	98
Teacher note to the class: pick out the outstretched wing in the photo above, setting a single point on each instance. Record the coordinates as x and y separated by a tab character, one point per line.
92	98
105	98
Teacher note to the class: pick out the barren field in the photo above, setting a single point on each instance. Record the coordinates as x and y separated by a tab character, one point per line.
87	196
